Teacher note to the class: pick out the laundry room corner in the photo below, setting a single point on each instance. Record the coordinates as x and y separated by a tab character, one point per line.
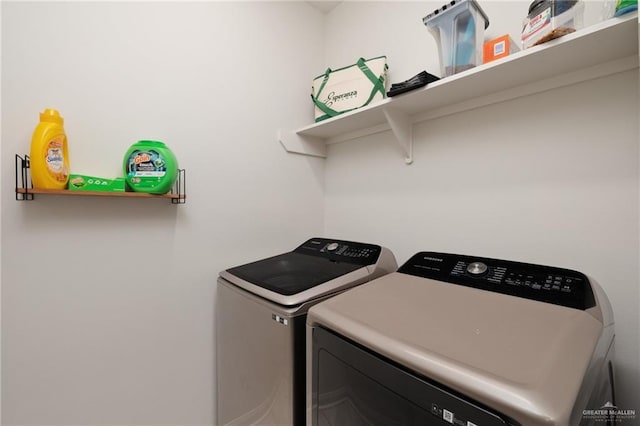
550	177
294	217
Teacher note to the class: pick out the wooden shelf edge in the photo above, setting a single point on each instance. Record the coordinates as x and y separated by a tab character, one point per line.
99	194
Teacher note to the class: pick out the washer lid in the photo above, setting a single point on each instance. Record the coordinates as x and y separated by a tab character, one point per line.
291	273
315	262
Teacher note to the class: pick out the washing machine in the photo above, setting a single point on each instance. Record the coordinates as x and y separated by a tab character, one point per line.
260	315
462	340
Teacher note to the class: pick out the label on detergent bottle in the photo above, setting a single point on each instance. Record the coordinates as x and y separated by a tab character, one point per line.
150	166
146	164
54	159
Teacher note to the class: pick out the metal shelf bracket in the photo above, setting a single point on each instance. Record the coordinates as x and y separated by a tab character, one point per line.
402	130
23	179
302	144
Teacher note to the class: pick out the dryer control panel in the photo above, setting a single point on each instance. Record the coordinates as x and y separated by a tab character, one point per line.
548	284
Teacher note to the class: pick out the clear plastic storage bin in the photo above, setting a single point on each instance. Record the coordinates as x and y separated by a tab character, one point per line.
549	19
458	28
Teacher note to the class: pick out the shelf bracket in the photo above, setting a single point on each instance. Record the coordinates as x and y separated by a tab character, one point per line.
299	144
402	130
23	178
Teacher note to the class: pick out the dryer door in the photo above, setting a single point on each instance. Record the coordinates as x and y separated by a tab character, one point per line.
354	386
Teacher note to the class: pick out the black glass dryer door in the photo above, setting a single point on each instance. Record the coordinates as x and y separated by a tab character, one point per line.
292	273
353	386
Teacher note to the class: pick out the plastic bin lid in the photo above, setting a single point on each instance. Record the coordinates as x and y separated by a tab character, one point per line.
451	5
558	6
535	4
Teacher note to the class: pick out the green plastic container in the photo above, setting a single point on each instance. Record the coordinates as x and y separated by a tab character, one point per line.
150	166
625	6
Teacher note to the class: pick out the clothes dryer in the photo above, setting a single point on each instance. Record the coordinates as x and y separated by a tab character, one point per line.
261	309
461	340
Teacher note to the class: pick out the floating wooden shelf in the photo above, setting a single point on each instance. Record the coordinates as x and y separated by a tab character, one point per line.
24	191
99	194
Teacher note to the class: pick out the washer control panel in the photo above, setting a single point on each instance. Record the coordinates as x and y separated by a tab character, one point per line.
341	251
537	282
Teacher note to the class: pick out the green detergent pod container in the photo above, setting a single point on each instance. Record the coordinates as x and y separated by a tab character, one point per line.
150	166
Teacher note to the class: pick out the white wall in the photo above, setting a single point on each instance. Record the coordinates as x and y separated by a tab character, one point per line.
107	304
1	191
550	178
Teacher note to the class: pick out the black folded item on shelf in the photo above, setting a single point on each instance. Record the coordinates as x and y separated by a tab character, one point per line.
419	80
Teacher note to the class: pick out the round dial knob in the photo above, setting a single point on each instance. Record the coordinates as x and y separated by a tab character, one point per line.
477	268
332	246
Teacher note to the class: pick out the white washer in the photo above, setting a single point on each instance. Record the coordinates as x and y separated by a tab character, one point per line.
261	308
452	339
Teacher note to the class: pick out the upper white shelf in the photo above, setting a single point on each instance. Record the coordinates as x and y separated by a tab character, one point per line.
596	51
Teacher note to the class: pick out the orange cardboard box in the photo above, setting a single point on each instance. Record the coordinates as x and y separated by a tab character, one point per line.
499	48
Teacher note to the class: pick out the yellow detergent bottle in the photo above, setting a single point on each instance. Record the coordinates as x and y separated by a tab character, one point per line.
49	156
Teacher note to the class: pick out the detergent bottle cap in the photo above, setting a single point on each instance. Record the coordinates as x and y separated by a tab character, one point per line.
51	115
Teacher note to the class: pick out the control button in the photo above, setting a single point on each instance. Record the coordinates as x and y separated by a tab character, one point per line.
536	286
477	268
459	269
332	246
